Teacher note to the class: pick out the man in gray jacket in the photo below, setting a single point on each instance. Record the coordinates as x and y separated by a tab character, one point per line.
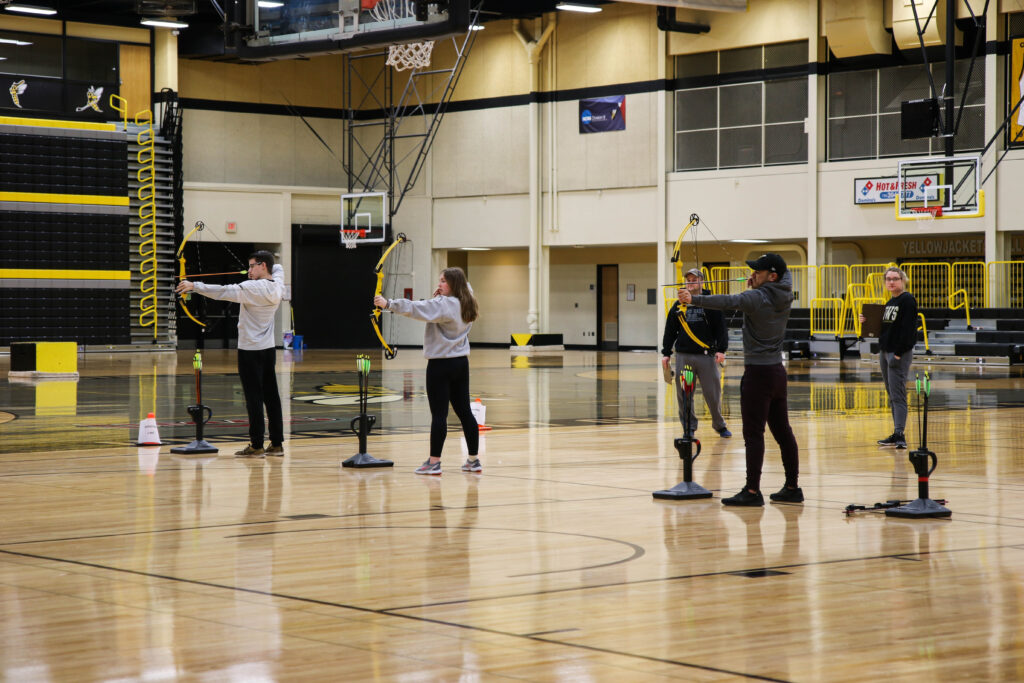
763	390
259	297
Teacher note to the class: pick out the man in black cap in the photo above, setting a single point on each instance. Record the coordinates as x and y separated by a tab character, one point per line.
763	390
703	352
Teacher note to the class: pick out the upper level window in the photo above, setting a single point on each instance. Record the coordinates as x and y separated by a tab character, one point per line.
742	107
864	110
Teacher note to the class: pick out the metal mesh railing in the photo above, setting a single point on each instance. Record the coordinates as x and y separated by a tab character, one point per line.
832	281
1006	284
827	316
971	277
929	283
803	285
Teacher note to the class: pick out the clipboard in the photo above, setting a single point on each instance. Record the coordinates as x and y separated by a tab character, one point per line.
871	328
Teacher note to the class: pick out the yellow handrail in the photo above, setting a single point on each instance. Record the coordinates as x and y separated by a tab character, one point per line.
924	328
965	305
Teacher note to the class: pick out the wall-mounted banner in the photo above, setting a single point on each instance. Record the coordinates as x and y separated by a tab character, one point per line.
603	114
883	190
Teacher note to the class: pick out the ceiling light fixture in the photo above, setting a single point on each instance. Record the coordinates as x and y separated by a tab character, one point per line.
477	27
270	4
10	41
751	241
164	23
30	9
475	248
572	7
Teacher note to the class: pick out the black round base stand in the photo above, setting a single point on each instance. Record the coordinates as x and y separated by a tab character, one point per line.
361	426
686	489
200	416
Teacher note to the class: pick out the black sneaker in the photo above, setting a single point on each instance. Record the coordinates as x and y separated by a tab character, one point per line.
889	441
788	495
746	499
900	441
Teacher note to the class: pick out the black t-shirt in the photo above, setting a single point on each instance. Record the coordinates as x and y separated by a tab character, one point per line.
899	324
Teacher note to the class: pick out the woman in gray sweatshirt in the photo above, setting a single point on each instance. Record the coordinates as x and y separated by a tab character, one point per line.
449	317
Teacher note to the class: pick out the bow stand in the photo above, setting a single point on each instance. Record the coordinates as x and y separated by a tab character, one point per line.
687	489
363	423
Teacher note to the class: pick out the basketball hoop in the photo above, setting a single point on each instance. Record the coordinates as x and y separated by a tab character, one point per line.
410	55
351	237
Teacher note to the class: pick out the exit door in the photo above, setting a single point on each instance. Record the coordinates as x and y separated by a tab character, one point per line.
608	307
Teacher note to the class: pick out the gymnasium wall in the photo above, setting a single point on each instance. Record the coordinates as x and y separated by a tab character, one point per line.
474	191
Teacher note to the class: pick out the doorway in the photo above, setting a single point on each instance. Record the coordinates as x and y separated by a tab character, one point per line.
608	307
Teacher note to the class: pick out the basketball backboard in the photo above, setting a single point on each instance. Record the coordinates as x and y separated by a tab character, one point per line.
366	214
342	25
943	187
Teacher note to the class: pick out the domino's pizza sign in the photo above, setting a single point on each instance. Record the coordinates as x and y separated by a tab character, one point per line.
883	190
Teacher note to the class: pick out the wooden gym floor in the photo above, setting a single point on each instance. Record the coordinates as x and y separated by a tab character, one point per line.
554	564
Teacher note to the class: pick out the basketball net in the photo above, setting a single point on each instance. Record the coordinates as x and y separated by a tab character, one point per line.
924	215
410	55
350	238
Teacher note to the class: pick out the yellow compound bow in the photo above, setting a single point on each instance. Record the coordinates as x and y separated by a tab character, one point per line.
389	350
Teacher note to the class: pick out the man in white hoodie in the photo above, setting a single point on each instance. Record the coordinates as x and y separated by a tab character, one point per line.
259	297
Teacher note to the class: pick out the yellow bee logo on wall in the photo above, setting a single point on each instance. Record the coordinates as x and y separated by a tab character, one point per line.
92	99
18	88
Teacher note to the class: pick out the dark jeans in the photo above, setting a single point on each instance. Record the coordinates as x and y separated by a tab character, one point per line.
763	399
257	370
448	382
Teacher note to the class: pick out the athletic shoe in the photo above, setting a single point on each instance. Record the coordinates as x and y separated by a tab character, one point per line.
250	452
472	465
788	495
276	450
427	468
889	441
724	432
901	442
746	499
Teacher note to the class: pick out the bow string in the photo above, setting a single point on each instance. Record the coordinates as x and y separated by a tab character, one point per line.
180	255
677	261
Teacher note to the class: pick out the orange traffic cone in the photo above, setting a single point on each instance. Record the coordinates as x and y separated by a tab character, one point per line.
149	435
479	414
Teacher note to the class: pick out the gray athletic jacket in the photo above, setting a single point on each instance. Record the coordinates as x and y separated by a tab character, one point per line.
259	300
765	314
446	335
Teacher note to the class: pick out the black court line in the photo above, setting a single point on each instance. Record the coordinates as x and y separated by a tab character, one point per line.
703	575
285	520
638	551
368	610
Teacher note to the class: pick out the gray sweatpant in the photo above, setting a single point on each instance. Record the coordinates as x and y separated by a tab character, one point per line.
706	370
894	377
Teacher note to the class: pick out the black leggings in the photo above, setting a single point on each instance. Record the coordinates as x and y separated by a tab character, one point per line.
448	381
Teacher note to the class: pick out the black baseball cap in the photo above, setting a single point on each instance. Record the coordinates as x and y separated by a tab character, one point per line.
773	263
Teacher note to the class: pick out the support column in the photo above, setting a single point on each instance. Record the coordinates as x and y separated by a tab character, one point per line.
165	59
995	92
816	247
662	157
538	302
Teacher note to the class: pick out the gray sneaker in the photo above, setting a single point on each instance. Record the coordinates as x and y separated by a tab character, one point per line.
427	468
472	465
250	452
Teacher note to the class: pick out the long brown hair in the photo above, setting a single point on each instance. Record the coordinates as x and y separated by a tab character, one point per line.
459	286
